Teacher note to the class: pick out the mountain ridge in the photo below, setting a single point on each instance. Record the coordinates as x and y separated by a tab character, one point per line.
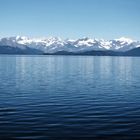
54	45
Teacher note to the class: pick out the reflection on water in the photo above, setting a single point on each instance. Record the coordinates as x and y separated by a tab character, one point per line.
67	97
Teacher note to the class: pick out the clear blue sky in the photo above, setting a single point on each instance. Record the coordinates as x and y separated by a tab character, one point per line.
70	18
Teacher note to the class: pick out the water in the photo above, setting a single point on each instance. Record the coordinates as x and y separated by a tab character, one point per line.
69	97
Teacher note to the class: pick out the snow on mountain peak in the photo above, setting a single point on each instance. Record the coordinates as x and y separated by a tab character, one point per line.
54	44
124	40
85	42
21	38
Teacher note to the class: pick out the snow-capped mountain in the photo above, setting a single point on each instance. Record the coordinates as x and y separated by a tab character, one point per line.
54	44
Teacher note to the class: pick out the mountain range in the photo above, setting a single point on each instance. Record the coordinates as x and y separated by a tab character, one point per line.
57	46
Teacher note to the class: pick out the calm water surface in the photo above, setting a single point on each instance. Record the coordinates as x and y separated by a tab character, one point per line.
69	97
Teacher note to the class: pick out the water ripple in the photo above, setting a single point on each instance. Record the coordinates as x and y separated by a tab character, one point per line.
64	97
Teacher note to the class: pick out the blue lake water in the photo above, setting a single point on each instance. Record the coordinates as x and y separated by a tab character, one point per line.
69	97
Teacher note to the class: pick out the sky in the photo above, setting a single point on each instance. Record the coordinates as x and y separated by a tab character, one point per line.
106	19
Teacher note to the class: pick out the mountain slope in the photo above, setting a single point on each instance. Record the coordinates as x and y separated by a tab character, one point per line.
54	45
133	52
16	50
